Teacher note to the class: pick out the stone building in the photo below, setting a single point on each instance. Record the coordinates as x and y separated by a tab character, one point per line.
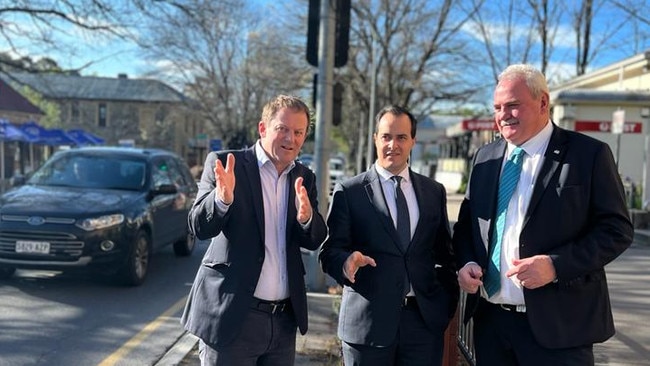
141	112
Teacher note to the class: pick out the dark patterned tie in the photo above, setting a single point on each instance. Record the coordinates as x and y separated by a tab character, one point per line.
507	185
403	219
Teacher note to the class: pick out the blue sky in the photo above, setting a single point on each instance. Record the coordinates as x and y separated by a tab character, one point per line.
109	57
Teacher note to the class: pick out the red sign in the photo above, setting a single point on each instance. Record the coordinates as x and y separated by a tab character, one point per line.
606	126
479	125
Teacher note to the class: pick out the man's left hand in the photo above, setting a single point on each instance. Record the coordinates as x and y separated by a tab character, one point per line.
302	202
533	272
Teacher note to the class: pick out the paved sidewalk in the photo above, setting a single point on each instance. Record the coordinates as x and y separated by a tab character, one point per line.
319	347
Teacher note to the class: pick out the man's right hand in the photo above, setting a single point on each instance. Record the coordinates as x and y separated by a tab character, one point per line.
354	262
469	277
225	179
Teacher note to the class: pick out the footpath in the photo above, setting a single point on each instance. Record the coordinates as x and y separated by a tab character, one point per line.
319	347
628	278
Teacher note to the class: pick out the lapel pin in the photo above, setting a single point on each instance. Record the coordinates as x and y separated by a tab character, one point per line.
556	151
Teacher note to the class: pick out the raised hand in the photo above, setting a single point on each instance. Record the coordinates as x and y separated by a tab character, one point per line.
225	179
355	261
303	206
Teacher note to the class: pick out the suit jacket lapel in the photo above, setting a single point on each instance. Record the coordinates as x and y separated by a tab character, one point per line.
491	180
378	201
551	161
292	212
422	199
254	185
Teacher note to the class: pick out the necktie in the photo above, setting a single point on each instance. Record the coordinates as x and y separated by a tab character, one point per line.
403	220
507	185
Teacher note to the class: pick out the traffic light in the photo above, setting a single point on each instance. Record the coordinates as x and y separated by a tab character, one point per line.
337	99
337	104
342	32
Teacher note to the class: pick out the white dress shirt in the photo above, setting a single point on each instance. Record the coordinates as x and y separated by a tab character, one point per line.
388	186
511	291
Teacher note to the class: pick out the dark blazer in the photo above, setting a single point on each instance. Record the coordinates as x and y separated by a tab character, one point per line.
223	288
577	215
359	219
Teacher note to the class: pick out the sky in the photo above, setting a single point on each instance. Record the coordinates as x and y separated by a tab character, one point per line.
110	57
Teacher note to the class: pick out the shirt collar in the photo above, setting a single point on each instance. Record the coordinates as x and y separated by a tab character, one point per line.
537	144
263	159
386	175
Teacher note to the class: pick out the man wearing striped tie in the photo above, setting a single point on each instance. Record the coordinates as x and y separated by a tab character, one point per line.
543	214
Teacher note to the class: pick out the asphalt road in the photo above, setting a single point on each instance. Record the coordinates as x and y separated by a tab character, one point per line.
48	318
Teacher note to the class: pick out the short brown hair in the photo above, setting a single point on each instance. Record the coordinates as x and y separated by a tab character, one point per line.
285	101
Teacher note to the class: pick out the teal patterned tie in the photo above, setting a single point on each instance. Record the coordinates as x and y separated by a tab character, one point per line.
507	185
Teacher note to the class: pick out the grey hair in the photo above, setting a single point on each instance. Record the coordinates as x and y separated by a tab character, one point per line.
535	80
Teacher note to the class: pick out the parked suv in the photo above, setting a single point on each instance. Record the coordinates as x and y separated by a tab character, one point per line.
101	209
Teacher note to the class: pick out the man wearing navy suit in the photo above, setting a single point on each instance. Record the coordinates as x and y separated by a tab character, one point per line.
542	299
399	291
259	207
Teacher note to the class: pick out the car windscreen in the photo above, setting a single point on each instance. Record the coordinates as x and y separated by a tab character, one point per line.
92	171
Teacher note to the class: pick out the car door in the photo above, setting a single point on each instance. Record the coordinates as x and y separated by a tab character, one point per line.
187	188
163	205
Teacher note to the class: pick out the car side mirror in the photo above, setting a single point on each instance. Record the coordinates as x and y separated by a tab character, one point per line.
165	189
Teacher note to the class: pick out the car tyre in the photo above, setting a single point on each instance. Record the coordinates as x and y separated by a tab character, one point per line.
6	272
134	271
185	246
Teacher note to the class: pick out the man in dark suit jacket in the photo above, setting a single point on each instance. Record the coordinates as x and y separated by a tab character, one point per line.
565	221
398	295
249	293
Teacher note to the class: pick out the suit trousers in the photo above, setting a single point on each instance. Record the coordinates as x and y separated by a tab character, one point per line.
267	338
503	337
415	345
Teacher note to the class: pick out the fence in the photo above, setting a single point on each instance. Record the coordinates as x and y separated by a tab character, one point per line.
465	336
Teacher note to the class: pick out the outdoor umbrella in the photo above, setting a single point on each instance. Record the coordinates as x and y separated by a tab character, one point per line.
34	131
8	132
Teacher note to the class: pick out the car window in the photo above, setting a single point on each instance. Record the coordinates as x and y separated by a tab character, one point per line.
161	173
82	170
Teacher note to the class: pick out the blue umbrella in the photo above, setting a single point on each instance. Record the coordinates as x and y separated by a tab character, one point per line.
8	132
56	136
34	131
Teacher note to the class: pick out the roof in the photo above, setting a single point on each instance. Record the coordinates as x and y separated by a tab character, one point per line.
11	100
601	96
60	86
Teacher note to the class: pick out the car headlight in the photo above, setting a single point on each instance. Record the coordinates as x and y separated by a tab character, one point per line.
101	222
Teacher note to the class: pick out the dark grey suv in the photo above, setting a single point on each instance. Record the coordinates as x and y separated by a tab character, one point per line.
102	209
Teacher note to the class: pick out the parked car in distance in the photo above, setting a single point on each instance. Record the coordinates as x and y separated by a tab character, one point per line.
98	209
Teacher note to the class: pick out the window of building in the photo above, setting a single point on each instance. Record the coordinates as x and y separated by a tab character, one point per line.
101	115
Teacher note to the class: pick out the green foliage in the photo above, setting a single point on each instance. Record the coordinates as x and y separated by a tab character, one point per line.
51	109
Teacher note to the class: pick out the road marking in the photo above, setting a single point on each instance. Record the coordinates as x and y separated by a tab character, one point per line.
137	339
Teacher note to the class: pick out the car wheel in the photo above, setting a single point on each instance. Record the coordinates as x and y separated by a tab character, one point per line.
135	269
6	272
185	246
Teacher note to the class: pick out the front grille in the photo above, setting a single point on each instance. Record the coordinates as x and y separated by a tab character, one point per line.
63	246
46	220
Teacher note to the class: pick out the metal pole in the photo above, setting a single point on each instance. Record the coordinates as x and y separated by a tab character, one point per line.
370	156
323	121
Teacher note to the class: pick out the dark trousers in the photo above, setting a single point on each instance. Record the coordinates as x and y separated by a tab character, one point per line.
415	345
267	338
503	337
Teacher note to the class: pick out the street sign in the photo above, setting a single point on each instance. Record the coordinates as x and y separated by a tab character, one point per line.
618	121
215	145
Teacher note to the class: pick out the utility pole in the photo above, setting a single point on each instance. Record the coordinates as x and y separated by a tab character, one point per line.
370	156
323	121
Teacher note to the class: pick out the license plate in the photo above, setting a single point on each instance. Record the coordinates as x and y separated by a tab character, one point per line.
38	247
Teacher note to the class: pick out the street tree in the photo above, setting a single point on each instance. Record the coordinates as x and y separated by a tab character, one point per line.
228	61
28	26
